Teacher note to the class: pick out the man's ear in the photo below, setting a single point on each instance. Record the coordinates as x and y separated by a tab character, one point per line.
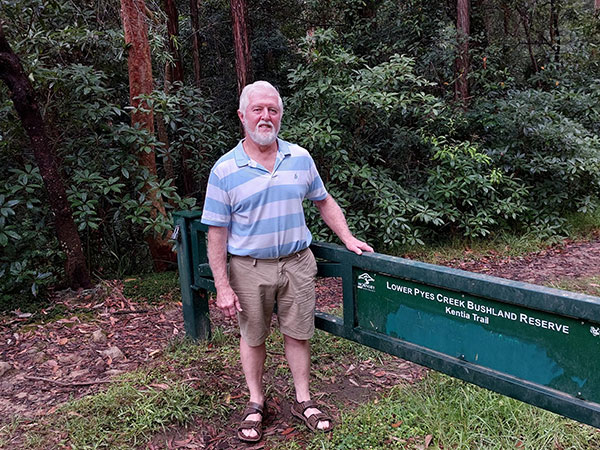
240	115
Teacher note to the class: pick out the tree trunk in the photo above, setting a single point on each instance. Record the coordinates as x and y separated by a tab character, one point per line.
140	82
173	31
461	85
176	74
194	18
23	97
554	32
597	5
527	28
241	42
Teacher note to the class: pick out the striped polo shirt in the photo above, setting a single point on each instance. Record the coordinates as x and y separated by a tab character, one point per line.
263	210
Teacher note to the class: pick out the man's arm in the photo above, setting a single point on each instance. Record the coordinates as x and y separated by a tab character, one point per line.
227	301
334	218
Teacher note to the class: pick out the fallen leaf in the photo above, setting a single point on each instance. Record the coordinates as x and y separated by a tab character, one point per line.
353	382
397	424
379	373
185	442
288	431
428	440
62	341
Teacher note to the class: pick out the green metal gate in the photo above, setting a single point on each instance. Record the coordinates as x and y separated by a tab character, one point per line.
536	344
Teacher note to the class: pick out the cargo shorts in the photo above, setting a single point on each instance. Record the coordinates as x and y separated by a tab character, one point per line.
288	282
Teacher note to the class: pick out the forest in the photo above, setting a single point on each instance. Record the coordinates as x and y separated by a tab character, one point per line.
427	120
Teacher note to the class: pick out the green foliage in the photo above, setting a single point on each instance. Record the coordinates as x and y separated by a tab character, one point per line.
549	141
386	151
368	90
466	193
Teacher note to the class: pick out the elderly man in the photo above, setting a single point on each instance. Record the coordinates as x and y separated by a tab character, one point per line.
254	212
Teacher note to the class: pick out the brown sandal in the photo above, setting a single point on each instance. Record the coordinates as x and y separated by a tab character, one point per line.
256	425
298	409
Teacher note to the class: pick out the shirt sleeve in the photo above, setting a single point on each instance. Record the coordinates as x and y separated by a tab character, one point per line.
316	188
217	205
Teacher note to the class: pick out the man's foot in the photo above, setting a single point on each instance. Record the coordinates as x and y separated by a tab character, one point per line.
312	415
250	429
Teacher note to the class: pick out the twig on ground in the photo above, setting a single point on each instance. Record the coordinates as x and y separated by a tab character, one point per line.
73	384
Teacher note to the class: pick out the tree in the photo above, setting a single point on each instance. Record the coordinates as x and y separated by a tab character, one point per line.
175	66
241	42
195	22
461	85
23	97
141	83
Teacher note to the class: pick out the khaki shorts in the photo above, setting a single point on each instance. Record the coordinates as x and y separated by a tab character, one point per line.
288	282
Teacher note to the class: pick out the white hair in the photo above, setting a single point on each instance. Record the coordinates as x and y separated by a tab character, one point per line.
245	96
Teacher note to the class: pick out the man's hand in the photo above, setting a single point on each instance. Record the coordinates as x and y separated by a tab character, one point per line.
357	246
227	301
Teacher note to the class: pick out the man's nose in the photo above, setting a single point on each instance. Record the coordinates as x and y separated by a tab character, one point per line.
264	114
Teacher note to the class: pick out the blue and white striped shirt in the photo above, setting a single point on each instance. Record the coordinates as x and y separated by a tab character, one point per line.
263	210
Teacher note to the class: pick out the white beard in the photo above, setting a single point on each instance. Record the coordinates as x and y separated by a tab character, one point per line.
261	137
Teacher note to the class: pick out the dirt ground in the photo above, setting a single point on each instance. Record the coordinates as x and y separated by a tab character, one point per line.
42	366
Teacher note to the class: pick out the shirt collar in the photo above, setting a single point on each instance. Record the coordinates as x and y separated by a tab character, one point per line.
242	159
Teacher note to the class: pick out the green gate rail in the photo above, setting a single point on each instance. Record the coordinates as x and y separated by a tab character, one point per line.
536	344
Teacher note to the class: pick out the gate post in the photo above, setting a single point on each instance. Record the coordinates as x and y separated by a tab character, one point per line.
194	299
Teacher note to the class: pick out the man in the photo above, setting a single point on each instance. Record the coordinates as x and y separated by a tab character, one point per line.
254	212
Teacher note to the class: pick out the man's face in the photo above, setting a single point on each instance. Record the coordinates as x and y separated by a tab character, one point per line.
262	117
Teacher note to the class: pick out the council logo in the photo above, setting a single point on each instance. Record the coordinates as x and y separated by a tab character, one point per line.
365	282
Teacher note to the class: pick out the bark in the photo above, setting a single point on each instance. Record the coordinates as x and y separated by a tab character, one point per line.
23	97
597	5
241	42
173	74
527	28
173	31
140	82
194	18
461	85
554	31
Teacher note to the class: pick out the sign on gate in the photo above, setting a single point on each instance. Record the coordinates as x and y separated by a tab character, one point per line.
547	349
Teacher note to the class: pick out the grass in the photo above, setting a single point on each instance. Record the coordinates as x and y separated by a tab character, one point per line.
153	288
590	286
127	414
450	413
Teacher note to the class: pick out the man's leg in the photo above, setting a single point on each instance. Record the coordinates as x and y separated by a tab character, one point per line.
253	363
297	353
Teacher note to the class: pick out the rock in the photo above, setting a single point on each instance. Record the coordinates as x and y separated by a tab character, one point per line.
114	353
79	373
99	337
4	367
39	357
68	359
113	372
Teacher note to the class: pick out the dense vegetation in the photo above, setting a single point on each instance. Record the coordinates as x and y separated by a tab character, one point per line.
367	88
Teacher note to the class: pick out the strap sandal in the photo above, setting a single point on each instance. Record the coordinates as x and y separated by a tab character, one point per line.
312	421
247	425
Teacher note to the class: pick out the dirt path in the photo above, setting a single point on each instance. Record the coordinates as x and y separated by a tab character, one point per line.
42	366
